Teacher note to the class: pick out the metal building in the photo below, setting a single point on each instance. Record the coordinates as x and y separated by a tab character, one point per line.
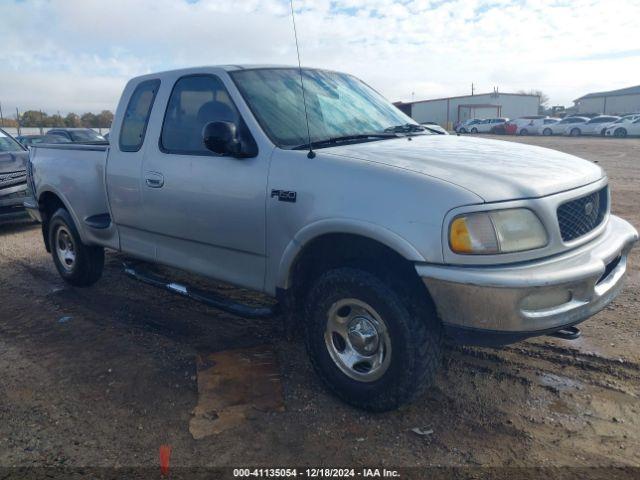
448	111
625	100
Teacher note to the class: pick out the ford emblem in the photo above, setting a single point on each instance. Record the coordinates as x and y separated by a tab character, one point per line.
588	209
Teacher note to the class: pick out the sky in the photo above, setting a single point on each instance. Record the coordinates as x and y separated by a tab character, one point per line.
76	55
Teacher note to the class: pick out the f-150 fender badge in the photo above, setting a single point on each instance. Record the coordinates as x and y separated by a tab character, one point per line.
284	195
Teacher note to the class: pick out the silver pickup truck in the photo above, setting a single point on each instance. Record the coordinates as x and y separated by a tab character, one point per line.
377	236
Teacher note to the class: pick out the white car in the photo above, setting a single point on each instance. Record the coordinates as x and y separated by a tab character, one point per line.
627	125
465	127
487	125
542	127
596	126
560	127
527	125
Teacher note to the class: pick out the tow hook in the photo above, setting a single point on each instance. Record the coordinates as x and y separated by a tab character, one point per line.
567	333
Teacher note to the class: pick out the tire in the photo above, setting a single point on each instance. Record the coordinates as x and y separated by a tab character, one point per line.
620	132
78	264
463	130
474	130
547	132
406	358
575	132
524	131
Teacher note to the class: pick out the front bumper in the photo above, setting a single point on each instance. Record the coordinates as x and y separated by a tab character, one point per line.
11	200
533	298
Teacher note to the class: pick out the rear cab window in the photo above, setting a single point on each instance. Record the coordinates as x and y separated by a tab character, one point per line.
136	117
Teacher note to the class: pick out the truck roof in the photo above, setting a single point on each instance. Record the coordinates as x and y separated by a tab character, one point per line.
210	68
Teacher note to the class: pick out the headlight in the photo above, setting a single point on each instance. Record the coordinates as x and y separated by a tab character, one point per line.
499	231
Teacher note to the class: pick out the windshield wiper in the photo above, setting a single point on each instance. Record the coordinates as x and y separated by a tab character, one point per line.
406	128
344	138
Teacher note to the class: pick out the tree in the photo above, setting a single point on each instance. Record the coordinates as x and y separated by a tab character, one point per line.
33	118
89	120
544	98
72	120
104	119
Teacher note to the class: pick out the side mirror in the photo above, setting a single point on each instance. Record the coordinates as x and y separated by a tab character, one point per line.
222	138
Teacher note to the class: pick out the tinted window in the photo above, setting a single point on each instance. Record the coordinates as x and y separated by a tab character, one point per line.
136	117
195	101
60	134
86	136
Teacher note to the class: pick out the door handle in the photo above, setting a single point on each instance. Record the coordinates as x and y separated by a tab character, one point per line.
154	179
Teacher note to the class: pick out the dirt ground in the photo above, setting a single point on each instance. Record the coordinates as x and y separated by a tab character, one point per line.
103	376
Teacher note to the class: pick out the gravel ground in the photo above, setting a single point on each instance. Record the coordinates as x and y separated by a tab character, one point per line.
103	376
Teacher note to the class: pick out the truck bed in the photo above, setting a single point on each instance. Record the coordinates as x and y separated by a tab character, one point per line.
76	175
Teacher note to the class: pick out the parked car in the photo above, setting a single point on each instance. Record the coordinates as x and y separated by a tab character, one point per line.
29	140
434	127
13	176
543	127
465	127
374	235
560	127
78	135
595	126
487	125
529	125
623	126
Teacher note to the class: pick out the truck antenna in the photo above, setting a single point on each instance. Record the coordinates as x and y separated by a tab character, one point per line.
311	153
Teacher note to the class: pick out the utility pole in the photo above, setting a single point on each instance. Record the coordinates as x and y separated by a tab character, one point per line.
472	89
18	119
41	122
1	117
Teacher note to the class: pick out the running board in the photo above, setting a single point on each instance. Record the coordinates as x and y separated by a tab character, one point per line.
224	304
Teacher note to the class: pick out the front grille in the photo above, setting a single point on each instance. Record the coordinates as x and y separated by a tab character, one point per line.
578	217
13	178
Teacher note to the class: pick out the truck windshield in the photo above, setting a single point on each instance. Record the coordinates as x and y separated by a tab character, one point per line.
8	144
339	107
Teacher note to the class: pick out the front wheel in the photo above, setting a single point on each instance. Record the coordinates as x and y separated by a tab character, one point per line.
575	132
524	131
620	132
474	130
372	345
547	132
78	264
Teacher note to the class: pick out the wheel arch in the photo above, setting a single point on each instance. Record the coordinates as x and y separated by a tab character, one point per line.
50	200
341	232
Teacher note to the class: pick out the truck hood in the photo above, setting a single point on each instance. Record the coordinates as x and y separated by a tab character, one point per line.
13	161
495	170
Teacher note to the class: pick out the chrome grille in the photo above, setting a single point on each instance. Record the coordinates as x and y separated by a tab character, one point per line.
578	217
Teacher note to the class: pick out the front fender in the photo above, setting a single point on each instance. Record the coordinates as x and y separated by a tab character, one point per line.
347	226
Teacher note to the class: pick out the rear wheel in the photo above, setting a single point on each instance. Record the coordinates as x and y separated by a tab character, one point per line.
524	131
373	345
575	132
474	130
547	132
78	264
620	132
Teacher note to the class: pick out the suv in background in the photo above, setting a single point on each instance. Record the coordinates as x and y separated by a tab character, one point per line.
13	176
596	126
78	135
560	127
